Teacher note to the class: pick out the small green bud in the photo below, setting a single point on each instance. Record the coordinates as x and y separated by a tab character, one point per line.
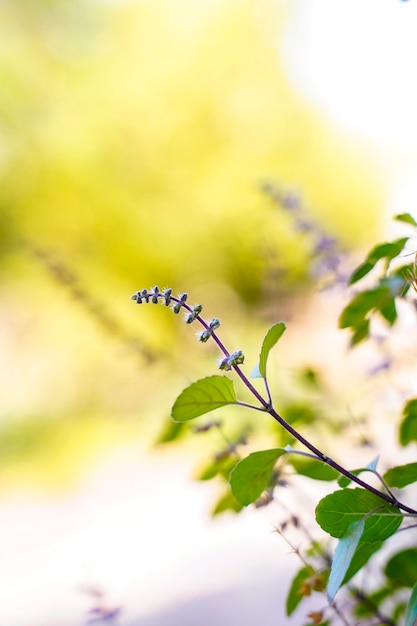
214	324
137	297
145	295
155	292
167	296
183	297
194	314
205	335
177	307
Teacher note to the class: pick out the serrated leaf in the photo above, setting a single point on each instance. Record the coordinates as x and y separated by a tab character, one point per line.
405	217
411	610
250	477
337	511
401	569
401	475
343	556
294	596
317	470
271	338
408	427
203	396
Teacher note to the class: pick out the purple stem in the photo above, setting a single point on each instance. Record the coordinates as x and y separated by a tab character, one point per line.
268	408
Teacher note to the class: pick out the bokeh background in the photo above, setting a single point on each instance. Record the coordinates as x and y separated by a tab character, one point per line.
167	142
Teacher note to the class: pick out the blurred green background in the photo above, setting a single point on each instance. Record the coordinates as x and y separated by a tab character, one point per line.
134	140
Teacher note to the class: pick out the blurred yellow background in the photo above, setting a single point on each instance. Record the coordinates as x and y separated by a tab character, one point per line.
135	137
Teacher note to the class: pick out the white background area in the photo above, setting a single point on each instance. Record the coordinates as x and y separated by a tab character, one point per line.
139	530
356	60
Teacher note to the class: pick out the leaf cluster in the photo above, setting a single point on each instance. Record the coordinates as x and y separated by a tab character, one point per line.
357	517
391	283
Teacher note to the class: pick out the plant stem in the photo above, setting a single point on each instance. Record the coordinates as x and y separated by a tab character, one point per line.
267	406
318	453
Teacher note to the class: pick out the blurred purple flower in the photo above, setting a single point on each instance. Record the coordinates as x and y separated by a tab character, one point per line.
326	252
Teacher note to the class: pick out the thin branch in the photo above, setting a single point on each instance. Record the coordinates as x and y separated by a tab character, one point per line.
233	361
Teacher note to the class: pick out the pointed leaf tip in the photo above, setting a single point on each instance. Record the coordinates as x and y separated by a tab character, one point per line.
271	338
343	556
405	217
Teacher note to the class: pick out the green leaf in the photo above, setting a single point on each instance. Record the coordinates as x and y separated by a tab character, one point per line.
300	414
411	610
371	467
337	511
388	250
343	556
360	333
294	596
388	310
401	569
250	477
203	396
354	314
227	502
362	270
382	298
222	466
405	217
401	475
171	431
312	468
271	338
398	611
310	377
363	553
366	607
408	427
